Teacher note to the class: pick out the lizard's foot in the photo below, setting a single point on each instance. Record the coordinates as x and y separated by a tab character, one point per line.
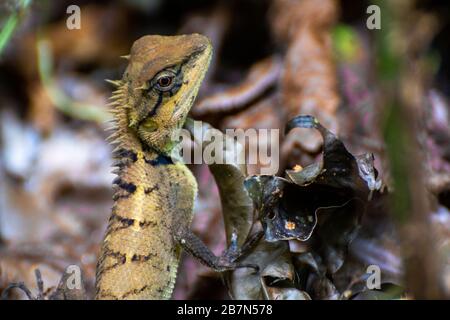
225	262
233	253
24	288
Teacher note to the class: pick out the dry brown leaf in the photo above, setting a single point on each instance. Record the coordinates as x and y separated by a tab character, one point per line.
309	81
261	76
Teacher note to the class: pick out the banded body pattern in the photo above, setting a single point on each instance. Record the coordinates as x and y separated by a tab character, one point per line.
153	196
139	257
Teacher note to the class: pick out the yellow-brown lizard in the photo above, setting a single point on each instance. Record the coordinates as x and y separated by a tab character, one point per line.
154	195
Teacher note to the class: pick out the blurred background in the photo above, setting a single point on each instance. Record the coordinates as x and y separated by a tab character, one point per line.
384	91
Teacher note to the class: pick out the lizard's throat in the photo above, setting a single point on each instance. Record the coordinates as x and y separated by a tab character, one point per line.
124	137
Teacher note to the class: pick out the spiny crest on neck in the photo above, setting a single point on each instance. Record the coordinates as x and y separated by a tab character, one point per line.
117	107
120	137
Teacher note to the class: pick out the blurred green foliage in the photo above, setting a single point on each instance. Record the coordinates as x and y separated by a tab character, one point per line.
11	23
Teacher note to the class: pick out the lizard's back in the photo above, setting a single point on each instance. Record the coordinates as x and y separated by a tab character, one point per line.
139	257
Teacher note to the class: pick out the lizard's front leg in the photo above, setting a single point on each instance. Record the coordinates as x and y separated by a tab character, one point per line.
227	261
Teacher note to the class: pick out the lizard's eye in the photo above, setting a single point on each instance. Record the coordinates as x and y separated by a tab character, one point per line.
165	81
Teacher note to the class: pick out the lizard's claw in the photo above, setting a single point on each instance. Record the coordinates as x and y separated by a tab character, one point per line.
233	253
255	267
226	261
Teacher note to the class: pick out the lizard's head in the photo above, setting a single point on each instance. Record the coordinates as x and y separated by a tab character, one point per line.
162	79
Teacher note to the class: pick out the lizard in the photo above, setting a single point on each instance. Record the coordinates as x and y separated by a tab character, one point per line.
153	193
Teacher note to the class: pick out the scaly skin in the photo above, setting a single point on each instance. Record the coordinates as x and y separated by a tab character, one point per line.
153	195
